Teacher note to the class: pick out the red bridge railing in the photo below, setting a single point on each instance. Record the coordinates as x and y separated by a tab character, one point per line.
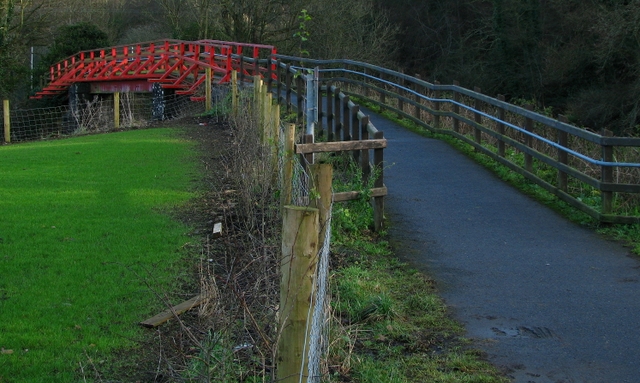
175	64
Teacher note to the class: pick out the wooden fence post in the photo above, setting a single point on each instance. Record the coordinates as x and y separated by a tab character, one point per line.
417	110
365	86
456	109
563	156
500	127
300	228
378	202
436	106
528	140
274	135
257	83
234	93
322	176
606	175
116	110
7	121
477	133
208	91
275	121
266	99
289	157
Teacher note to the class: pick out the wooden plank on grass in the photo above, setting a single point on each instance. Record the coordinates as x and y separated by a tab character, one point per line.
172	312
348	196
340	146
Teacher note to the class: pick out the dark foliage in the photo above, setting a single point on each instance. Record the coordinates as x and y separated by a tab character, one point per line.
71	39
579	57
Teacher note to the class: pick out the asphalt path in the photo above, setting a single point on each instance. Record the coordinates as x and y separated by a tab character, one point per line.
547	300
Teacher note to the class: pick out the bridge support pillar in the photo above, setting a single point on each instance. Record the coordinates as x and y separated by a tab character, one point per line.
159	103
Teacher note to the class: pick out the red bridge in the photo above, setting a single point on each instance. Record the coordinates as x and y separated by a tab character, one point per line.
172	64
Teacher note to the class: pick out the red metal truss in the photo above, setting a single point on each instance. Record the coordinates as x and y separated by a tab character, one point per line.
175	64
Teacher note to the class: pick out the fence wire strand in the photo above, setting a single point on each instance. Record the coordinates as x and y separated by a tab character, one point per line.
319	332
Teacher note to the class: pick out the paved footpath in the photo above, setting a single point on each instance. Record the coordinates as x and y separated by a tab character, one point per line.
547	300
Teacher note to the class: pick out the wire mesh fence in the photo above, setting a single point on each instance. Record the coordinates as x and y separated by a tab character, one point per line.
97	115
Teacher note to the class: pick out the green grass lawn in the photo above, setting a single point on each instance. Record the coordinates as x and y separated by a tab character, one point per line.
83	229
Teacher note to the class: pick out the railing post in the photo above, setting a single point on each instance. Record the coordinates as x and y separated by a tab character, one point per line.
319	109
300	98
288	85
364	155
312	93
346	118
456	108
269	74
606	175
563	156
417	113
338	117
436	106
330	116
400	95
477	133
7	121
500	126
256	65
241	59
528	140
355	130
378	202
309	157
279	80
300	228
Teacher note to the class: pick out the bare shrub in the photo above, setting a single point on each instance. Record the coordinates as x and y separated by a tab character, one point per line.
93	116
233	335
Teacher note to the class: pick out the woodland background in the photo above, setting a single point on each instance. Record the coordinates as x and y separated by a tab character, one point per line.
580	58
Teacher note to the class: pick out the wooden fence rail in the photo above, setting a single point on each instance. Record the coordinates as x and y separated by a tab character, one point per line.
596	173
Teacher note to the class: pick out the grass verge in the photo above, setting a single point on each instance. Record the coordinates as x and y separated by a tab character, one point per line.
84	235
